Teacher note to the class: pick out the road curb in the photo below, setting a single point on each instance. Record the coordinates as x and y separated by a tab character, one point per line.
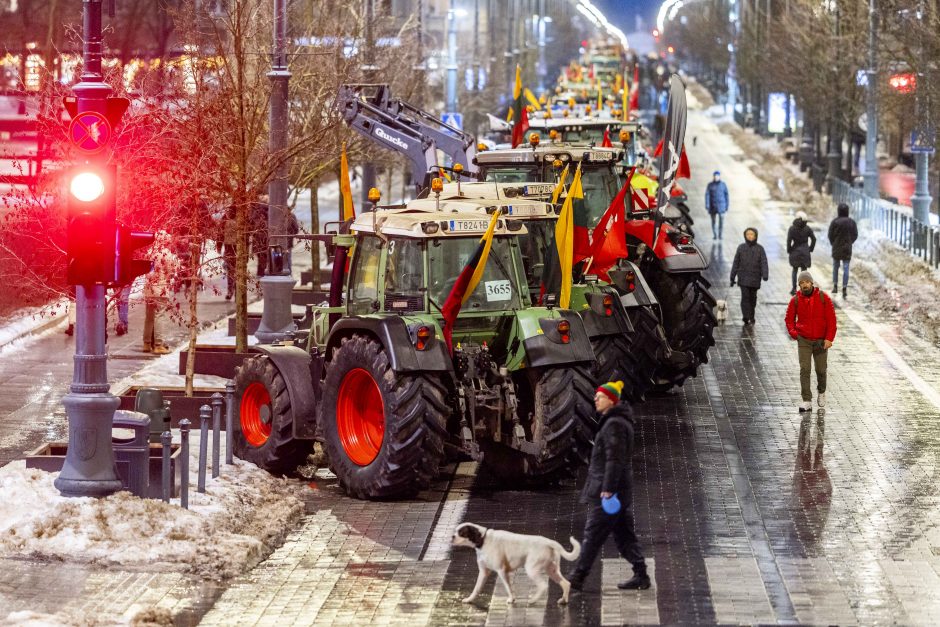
45	325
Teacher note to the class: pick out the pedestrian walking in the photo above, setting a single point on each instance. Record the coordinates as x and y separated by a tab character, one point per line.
811	321
123	303
716	203
842	235
749	268
157	289
801	241
608	491
258	223
226	244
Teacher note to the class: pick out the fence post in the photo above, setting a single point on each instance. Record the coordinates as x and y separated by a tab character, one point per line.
229	422
184	463
216	438
166	440
205	413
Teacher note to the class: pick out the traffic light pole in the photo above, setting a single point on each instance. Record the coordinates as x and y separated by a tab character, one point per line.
89	406
277	322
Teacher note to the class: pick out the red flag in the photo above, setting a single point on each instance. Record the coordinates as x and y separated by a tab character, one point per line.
609	239
606	141
683	171
519	112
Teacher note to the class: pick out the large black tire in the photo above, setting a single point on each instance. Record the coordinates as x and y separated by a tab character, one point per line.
409	455
265	436
613	359
688	311
560	401
646	348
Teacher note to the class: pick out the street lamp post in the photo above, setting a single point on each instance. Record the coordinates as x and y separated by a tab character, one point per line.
922	144
451	103
277	321
871	130
368	74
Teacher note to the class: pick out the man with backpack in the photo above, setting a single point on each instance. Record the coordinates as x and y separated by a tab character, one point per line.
811	321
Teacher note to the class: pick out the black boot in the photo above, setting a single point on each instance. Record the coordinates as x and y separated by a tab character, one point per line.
576	579
640	580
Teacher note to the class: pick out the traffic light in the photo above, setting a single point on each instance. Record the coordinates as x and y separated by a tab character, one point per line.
91	225
126	267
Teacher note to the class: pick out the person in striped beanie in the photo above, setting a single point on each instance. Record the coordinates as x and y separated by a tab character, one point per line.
609	479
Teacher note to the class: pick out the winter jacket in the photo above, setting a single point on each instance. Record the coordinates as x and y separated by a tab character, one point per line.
611	468
811	317
716	197
750	264
800	244
842	234
160	282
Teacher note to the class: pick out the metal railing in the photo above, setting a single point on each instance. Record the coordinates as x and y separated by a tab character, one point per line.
895	221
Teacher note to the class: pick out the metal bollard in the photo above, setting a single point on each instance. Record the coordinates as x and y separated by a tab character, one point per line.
184	463
216	435
229	418
204	414
166	439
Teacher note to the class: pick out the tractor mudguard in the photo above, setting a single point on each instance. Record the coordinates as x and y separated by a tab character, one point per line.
301	372
597	323
542	351
672	258
393	334
641	295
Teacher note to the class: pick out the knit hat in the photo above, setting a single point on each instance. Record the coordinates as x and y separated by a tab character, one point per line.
612	389
801	215
716	173
804	276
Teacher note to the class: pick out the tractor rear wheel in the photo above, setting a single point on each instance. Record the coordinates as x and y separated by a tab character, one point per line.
689	322
265	436
646	347
556	408
383	430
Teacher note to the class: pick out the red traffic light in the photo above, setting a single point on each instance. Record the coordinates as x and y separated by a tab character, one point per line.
91	225
86	186
903	83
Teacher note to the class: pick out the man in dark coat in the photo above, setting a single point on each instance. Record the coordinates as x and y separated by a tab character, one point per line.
749	269
801	241
716	203
842	234
610	475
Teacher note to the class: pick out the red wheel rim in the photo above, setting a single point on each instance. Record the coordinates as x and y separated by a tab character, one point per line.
255	414
360	417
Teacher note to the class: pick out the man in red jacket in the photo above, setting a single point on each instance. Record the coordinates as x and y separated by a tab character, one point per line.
811	321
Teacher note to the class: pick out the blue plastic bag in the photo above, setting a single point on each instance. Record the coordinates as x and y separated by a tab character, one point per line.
611	505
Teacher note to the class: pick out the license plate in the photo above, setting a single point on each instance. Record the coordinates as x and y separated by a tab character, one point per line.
468	226
540	189
600	156
525	210
498	290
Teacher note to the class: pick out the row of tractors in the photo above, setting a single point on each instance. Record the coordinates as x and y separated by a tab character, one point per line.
424	353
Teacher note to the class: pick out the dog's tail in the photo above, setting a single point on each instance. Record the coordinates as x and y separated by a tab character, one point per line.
575	551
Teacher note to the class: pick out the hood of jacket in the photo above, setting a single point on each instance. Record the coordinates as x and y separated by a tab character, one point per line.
843	212
621	409
799	222
756	235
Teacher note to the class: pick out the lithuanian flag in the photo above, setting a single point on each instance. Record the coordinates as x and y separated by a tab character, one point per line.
564	238
349	211
518	114
467	281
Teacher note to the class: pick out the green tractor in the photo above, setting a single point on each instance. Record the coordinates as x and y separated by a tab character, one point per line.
377	383
602	307
672	292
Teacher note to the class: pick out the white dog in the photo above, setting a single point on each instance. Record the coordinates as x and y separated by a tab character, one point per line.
504	552
721	311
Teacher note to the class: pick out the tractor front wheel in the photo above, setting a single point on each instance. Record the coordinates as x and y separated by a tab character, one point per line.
383	430
265	436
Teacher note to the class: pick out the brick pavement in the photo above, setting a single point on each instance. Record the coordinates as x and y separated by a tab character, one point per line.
750	513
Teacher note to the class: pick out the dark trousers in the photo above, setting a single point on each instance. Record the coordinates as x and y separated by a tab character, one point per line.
812	353
599	525
796	270
748	301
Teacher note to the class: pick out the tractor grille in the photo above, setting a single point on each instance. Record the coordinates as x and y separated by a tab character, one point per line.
403	304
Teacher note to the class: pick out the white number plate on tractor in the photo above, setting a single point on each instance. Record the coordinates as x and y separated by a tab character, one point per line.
540	189
526	210
498	290
460	226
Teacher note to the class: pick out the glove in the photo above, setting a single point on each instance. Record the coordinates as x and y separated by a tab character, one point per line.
732	282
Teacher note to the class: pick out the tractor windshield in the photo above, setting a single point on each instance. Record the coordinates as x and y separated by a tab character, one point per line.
498	289
600	185
537	252
511	174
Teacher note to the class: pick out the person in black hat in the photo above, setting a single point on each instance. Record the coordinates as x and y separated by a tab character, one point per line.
610	479
716	203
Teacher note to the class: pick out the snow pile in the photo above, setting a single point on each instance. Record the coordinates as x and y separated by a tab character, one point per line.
150	617
243	516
